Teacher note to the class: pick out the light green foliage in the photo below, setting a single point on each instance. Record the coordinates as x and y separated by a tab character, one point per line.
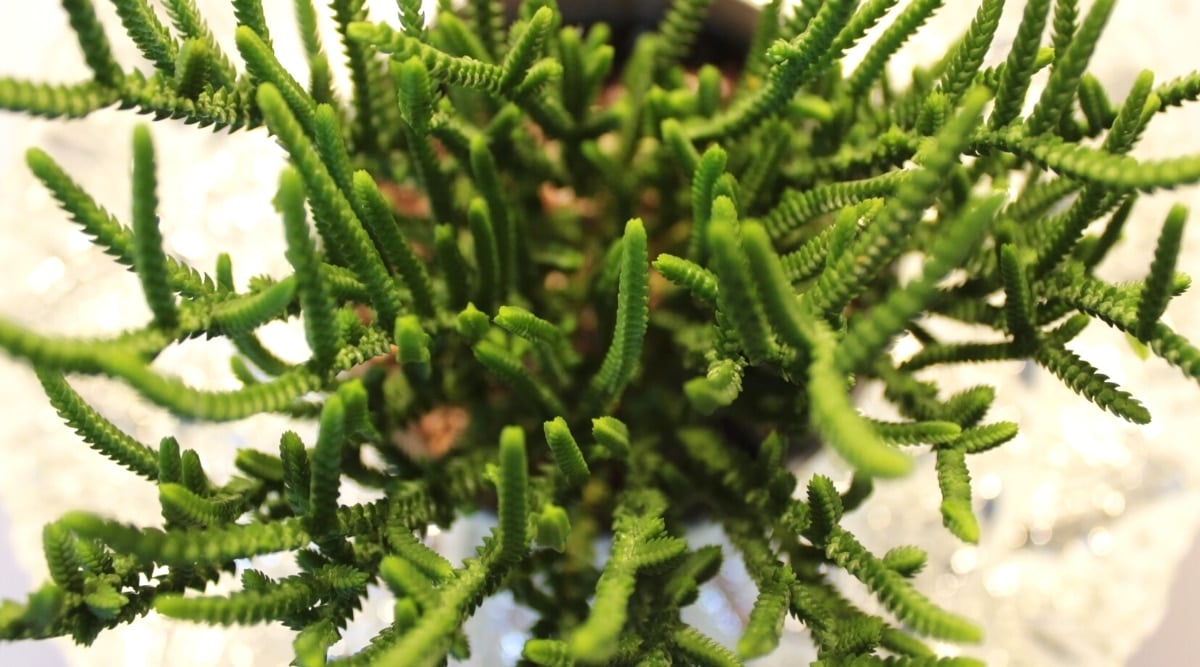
295	472
315	303
188	22
880	244
326	464
612	434
955	483
148	258
548	652
313	642
765	626
432	565
796	63
1018	66
394	247
487	257
513	492
526	48
908	433
341	228
567	455
58	545
147	31
285	598
483	168
718	388
950	248
262	65
553	528
966	58
738	297
697	280
982	438
639	542
1089	382
412	344
512	225
1070	61
710	166
621	362
179	501
1018	299
906	560
901	30
92	41
679	28
101	434
690	646
1153	301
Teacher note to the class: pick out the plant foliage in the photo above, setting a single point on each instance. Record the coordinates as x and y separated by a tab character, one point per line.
635	296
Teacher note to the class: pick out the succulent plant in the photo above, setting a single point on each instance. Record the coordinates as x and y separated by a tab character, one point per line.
598	293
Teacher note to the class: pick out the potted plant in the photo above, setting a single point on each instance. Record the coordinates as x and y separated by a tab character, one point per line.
598	302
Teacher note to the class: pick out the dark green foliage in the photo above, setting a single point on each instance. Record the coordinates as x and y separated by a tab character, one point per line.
509	369
416	106
453	266
513	230
1019	305
365	74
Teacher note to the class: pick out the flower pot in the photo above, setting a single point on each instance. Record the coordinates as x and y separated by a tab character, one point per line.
727	33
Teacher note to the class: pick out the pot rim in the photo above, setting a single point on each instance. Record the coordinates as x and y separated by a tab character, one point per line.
731	18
